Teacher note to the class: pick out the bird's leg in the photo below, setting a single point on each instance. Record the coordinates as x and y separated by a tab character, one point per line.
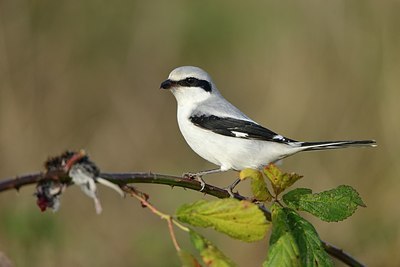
198	176
230	187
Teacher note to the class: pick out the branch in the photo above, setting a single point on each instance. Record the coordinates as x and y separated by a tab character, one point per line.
341	255
20	181
120	179
153	178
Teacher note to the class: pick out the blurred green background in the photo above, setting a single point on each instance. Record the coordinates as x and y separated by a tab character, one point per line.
85	74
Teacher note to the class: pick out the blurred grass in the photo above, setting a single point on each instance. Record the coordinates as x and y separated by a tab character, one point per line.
86	75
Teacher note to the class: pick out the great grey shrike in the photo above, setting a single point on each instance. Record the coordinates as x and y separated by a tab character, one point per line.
222	134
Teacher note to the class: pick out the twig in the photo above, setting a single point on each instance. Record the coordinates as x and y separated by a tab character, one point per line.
143	199
122	179
341	255
172	233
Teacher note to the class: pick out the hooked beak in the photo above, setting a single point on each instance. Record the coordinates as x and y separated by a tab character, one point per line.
167	84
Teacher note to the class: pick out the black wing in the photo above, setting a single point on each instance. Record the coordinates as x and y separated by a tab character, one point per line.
237	128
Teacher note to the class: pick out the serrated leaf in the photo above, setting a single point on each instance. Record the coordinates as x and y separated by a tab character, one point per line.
294	241
280	181
239	219
210	254
311	250
330	206
293	197
283	250
258	185
187	259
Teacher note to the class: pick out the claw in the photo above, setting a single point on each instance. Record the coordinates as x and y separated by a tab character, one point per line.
230	192
230	187
202	183
189	175
197	177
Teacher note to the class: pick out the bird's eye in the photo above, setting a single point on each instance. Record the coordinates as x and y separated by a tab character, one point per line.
191	81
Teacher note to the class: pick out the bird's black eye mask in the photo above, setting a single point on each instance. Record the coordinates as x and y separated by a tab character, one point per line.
194	82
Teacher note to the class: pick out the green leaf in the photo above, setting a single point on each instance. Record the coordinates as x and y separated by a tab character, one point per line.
258	185
239	219
280	181
187	259
294	241
331	206
283	250
210	254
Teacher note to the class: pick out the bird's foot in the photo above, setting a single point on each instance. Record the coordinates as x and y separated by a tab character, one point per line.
230	187
197	177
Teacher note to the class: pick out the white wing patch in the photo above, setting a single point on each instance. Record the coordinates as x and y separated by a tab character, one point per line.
296	144
278	137
240	134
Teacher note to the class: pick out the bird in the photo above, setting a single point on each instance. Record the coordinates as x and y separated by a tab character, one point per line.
222	134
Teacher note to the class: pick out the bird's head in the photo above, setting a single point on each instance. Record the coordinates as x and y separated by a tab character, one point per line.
189	85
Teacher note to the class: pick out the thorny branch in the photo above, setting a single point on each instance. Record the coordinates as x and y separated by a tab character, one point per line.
123	179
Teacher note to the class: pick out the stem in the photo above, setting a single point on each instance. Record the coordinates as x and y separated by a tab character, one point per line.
171	231
143	199
341	255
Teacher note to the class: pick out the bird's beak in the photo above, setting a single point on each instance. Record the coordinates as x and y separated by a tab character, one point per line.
167	84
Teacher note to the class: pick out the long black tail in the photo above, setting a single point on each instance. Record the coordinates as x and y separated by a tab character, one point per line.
312	146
